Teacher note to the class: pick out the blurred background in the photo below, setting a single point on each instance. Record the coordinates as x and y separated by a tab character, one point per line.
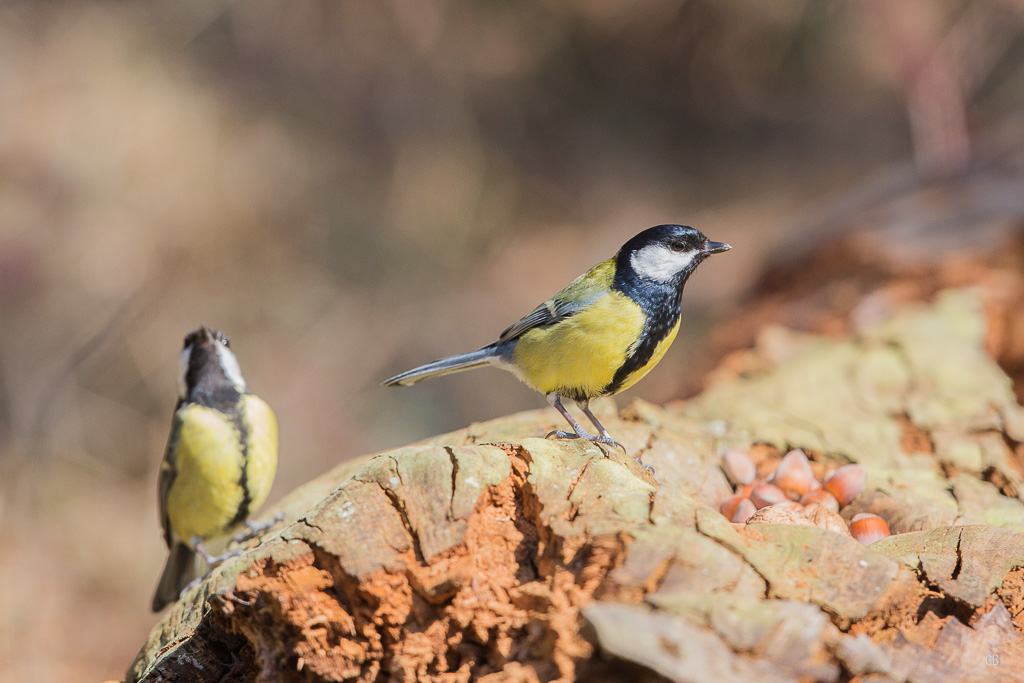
349	189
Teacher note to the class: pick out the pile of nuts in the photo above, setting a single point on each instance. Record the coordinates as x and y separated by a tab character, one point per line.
793	487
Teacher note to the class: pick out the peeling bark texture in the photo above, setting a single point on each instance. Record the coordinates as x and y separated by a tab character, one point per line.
486	555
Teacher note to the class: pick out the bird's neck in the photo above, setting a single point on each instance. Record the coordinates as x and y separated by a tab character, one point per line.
222	397
660	301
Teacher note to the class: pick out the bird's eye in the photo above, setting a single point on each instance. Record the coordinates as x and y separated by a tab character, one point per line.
676	246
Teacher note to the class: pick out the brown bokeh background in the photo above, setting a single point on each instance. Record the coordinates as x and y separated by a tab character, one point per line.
349	189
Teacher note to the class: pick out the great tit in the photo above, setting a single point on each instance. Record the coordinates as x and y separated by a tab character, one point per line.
220	460
600	334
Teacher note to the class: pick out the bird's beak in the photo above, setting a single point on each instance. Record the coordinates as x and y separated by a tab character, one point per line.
207	335
716	247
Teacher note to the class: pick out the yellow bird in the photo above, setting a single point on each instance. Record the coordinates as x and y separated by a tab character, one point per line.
220	461
600	334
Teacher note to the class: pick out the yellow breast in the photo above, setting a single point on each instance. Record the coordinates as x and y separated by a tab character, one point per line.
578	357
207	492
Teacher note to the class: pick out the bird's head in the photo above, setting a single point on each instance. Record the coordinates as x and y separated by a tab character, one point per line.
208	365
667	254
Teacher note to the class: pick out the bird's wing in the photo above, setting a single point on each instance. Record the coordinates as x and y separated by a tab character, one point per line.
168	471
580	293
548	313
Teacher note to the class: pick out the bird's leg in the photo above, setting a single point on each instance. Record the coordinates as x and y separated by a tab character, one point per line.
212	560
605	437
555	400
254	528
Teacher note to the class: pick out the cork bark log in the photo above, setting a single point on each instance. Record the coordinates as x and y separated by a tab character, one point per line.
490	555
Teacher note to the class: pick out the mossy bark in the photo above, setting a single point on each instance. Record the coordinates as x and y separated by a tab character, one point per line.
486	554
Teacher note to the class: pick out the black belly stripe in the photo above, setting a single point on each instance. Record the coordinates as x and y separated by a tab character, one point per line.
238	421
661	306
655	331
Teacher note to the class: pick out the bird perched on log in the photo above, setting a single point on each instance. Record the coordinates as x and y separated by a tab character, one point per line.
602	333
220	459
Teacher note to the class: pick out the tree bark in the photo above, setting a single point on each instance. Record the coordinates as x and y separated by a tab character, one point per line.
488	555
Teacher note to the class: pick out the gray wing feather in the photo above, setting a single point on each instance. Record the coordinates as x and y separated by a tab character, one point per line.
548	313
168	471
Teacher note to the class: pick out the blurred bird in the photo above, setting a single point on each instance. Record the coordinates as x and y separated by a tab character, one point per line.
220	461
600	334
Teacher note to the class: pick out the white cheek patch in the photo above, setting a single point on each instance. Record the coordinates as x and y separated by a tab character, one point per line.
183	371
658	262
229	364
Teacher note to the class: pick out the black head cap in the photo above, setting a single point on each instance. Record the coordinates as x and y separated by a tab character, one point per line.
683	235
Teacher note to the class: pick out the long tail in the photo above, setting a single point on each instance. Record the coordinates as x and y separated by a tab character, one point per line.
178	572
445	366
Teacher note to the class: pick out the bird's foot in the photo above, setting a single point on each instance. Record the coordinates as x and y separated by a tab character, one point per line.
212	561
603	439
608	441
217	560
646	467
255	528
